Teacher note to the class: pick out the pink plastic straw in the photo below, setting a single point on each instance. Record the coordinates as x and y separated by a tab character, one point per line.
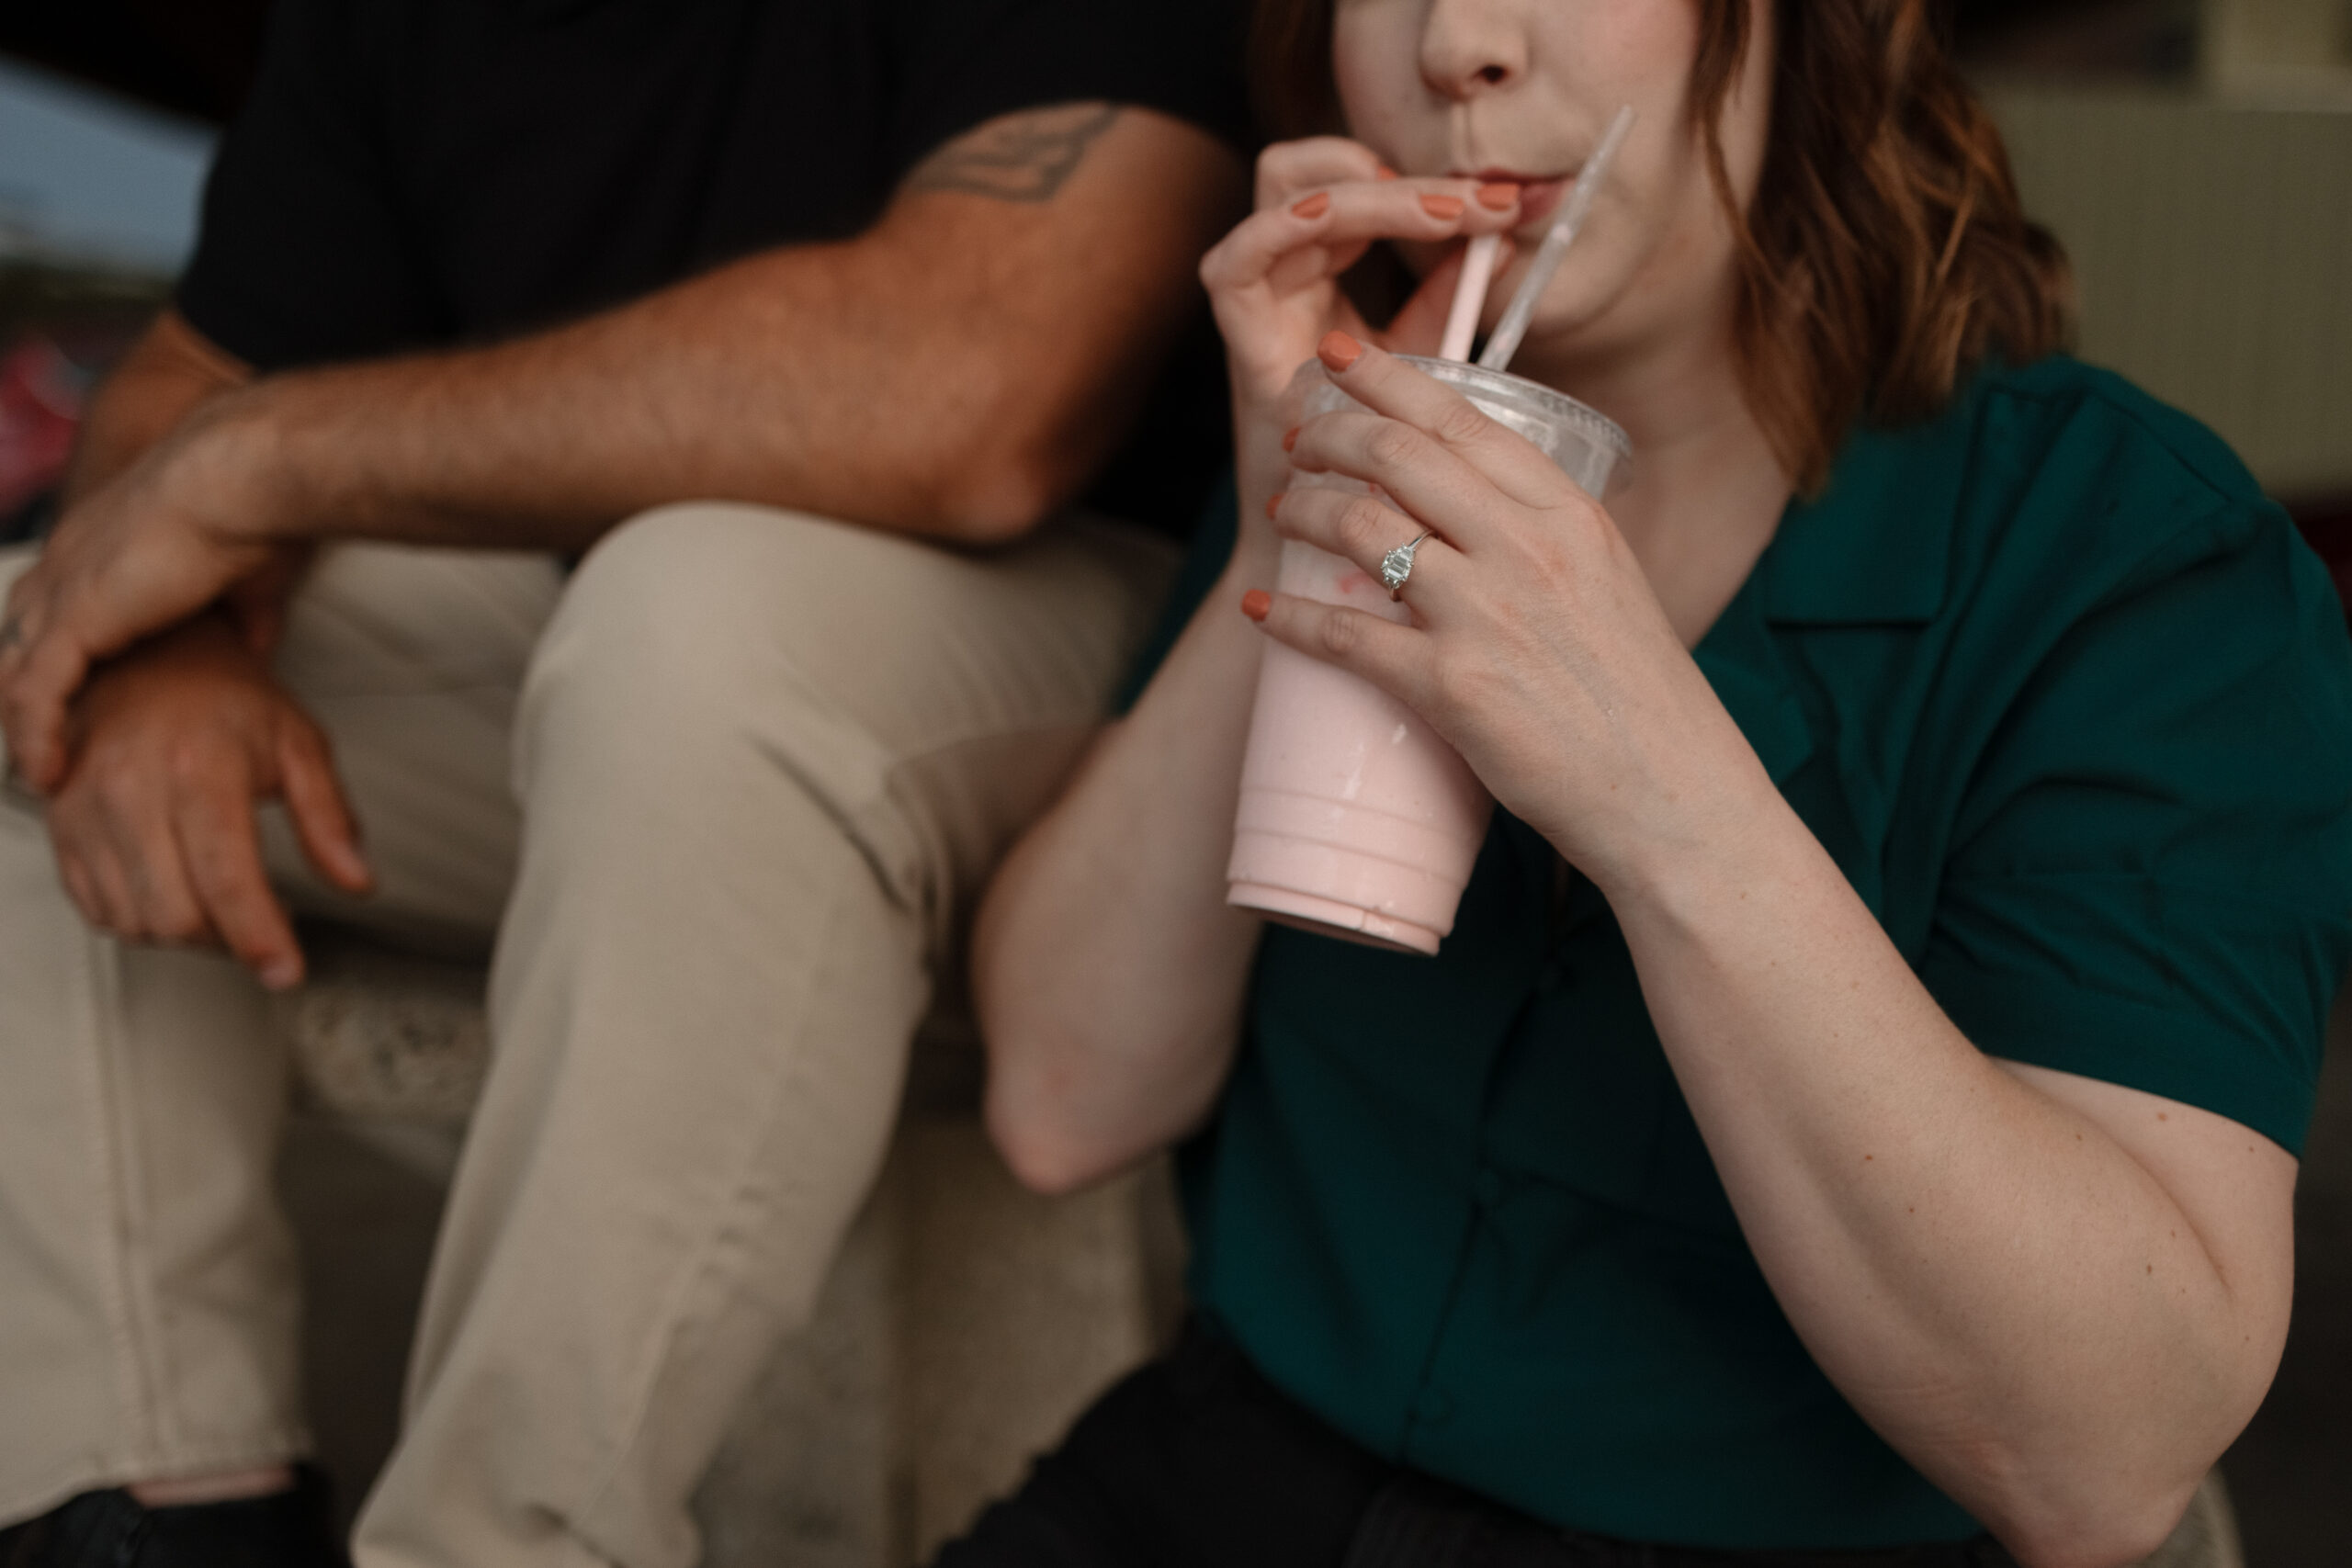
1469	297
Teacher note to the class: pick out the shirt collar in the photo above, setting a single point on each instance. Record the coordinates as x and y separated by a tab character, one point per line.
1872	549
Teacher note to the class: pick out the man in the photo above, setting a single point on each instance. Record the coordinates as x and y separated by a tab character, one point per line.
863	285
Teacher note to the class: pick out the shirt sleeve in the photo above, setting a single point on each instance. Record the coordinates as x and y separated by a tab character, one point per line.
2151	872
967	62
304	255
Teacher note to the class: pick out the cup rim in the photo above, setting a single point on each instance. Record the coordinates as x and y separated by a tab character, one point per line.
1583	415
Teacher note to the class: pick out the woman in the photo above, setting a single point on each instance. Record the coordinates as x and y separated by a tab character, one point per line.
1856	1109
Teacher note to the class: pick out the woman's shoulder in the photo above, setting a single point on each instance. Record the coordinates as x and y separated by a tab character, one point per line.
2069	471
2031	475
2062	412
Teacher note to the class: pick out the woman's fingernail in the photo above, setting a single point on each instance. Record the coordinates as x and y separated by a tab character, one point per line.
1314	205
1273	503
1446	206
1383	173
1257	603
1496	196
1290	439
1338	351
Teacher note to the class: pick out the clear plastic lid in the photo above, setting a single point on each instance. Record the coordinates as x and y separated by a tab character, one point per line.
1587	443
1588	446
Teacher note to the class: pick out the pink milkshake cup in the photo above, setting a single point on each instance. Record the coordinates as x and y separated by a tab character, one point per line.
1356	822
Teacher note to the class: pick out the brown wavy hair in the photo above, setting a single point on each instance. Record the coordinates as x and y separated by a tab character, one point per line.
1886	252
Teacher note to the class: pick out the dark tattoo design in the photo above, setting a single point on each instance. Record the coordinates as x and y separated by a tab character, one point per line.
1025	157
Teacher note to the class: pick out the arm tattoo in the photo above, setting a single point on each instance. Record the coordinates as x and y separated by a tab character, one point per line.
1025	157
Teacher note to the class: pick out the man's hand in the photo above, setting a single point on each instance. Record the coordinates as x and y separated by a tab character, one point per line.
153	825
184	527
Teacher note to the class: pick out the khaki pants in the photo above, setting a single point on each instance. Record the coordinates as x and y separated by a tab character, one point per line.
721	796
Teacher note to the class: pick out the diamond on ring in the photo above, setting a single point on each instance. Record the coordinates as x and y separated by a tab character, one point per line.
1396	567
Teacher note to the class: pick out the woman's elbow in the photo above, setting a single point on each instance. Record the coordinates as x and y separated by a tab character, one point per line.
2122	1527
1043	1150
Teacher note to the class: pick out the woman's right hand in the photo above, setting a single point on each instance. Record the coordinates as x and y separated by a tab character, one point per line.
1273	281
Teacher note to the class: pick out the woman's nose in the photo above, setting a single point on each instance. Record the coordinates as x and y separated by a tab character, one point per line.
1470	47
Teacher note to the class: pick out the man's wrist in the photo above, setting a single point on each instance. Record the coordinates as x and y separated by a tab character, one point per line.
244	455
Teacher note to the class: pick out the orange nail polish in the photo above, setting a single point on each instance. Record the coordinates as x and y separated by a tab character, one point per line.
1383	173
1446	206
1290	439
1273	503
1314	205
1257	603
1498	196
1338	351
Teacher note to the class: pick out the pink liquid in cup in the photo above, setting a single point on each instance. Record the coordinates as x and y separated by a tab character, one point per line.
1356	822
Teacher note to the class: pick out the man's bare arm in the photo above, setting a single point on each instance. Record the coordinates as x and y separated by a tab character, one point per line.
956	371
167	374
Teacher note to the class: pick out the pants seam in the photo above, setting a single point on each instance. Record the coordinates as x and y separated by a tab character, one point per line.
136	1389
693	1277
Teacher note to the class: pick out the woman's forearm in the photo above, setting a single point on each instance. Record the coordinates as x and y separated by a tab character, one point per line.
1107	968
2008	1293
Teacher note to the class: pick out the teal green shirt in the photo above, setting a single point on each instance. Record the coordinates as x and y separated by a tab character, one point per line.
2072	707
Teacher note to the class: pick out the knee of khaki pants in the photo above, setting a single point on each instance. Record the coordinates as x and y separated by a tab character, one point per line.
867	665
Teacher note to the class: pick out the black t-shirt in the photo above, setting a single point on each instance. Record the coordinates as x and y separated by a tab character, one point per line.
418	173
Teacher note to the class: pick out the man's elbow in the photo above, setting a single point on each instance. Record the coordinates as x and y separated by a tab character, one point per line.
996	497
1005	464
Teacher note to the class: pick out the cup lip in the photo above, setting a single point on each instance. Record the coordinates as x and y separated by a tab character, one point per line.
1572	412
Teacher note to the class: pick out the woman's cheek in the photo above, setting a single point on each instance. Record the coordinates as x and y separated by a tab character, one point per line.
1374	66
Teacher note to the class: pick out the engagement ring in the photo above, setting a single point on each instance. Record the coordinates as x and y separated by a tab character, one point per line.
1396	567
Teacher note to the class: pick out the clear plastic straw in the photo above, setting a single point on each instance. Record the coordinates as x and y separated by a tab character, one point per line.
1513	326
1469	296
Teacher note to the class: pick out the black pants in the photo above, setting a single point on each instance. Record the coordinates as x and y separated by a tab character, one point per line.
1196	1461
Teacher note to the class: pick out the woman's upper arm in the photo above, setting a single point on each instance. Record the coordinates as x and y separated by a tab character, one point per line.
2234	1186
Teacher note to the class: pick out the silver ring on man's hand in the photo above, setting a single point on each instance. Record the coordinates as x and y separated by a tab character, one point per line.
1396	566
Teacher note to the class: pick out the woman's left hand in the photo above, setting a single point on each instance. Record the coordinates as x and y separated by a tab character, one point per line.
1536	647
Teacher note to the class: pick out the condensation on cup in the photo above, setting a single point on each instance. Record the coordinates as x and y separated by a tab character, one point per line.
1356	822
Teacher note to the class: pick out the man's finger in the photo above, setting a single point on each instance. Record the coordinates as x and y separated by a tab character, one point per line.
79	885
322	817
33	704
139	831
223	855
117	912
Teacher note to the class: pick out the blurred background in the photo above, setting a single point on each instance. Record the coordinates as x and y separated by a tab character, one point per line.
2194	155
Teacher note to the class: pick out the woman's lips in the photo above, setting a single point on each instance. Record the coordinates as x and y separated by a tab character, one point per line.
1536	200
1538	194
